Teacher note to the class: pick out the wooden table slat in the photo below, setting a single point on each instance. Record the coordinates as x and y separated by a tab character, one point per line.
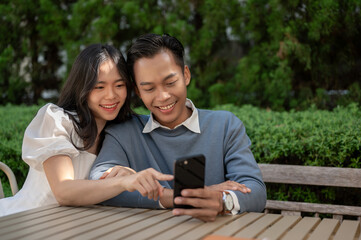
26	216
139	226
208	228
163	226
53	224
325	229
258	226
231	228
81	225
301	229
103	222
39	220
120	214
67	223
28	212
347	230
115	222
178	230
280	227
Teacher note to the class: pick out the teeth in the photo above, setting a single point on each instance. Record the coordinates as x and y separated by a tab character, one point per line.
109	106
167	107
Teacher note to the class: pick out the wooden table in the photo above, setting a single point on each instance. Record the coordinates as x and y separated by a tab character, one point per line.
95	222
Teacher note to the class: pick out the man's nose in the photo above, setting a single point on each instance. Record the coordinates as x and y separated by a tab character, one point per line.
163	95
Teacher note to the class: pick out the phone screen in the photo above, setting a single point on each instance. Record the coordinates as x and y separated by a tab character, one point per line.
188	173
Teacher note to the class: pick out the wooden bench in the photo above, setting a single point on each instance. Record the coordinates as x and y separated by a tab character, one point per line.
315	176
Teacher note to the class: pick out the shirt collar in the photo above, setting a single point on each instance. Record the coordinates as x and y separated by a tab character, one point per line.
192	123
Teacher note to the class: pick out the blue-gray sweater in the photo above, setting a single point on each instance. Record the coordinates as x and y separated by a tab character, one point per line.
223	141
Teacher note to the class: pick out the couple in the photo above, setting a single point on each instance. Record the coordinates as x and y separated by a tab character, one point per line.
129	158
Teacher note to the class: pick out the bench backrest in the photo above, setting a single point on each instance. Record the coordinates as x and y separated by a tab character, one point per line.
316	176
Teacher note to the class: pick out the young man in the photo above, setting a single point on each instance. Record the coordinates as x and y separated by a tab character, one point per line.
174	129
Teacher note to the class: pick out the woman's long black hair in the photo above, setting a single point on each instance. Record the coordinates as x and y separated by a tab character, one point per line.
82	79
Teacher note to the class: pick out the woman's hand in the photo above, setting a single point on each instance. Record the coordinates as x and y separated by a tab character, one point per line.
230	185
117	171
146	183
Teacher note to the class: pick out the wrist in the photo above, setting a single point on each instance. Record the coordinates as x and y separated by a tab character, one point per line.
167	198
228	204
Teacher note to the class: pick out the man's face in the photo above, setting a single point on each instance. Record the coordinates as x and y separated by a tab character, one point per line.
163	88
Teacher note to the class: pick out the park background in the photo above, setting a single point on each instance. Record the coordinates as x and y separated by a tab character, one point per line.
290	70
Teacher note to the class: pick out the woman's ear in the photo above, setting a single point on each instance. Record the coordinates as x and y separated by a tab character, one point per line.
187	75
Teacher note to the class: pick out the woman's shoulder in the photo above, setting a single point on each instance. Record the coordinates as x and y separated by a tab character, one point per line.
50	133
53	111
51	121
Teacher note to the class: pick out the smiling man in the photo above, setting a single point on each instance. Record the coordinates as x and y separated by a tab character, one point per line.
176	128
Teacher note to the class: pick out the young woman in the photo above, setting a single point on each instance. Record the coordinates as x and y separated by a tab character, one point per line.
61	142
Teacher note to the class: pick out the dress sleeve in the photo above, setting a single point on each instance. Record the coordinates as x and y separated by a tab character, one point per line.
49	134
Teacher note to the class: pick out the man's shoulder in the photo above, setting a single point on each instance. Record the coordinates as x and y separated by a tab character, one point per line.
222	120
216	115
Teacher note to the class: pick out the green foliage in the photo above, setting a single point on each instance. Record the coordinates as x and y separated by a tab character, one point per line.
31	36
269	53
14	120
298	47
311	137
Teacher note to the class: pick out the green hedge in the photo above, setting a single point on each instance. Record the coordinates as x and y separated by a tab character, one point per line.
13	122
312	137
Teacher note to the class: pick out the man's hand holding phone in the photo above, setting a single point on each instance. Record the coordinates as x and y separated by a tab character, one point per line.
191	197
207	203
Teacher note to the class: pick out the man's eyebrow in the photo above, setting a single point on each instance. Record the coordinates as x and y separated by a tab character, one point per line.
169	76
164	79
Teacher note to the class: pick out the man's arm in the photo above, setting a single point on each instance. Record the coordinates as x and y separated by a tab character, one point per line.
112	154
241	167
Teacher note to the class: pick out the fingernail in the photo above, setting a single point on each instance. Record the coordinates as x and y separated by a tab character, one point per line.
176	212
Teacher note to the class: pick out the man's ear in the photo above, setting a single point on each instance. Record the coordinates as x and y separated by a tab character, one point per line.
187	75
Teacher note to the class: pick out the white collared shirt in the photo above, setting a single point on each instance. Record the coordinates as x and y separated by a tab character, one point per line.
192	123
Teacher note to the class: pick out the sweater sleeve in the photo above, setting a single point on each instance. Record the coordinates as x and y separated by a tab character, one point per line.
112	154
241	167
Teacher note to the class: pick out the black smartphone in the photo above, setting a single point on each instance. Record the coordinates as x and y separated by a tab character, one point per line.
188	173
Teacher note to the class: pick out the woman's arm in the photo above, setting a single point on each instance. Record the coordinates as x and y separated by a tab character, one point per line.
69	191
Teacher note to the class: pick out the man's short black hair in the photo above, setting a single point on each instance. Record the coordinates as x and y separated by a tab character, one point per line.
149	45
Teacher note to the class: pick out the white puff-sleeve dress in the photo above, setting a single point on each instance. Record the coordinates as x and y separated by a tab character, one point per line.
50	133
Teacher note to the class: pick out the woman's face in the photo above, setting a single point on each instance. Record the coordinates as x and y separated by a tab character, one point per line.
108	95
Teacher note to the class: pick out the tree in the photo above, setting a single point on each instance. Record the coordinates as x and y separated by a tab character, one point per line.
33	34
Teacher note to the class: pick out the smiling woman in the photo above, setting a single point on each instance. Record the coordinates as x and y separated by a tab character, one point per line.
61	142
109	94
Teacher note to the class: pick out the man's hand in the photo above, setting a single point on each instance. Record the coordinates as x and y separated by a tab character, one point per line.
208	203
229	185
